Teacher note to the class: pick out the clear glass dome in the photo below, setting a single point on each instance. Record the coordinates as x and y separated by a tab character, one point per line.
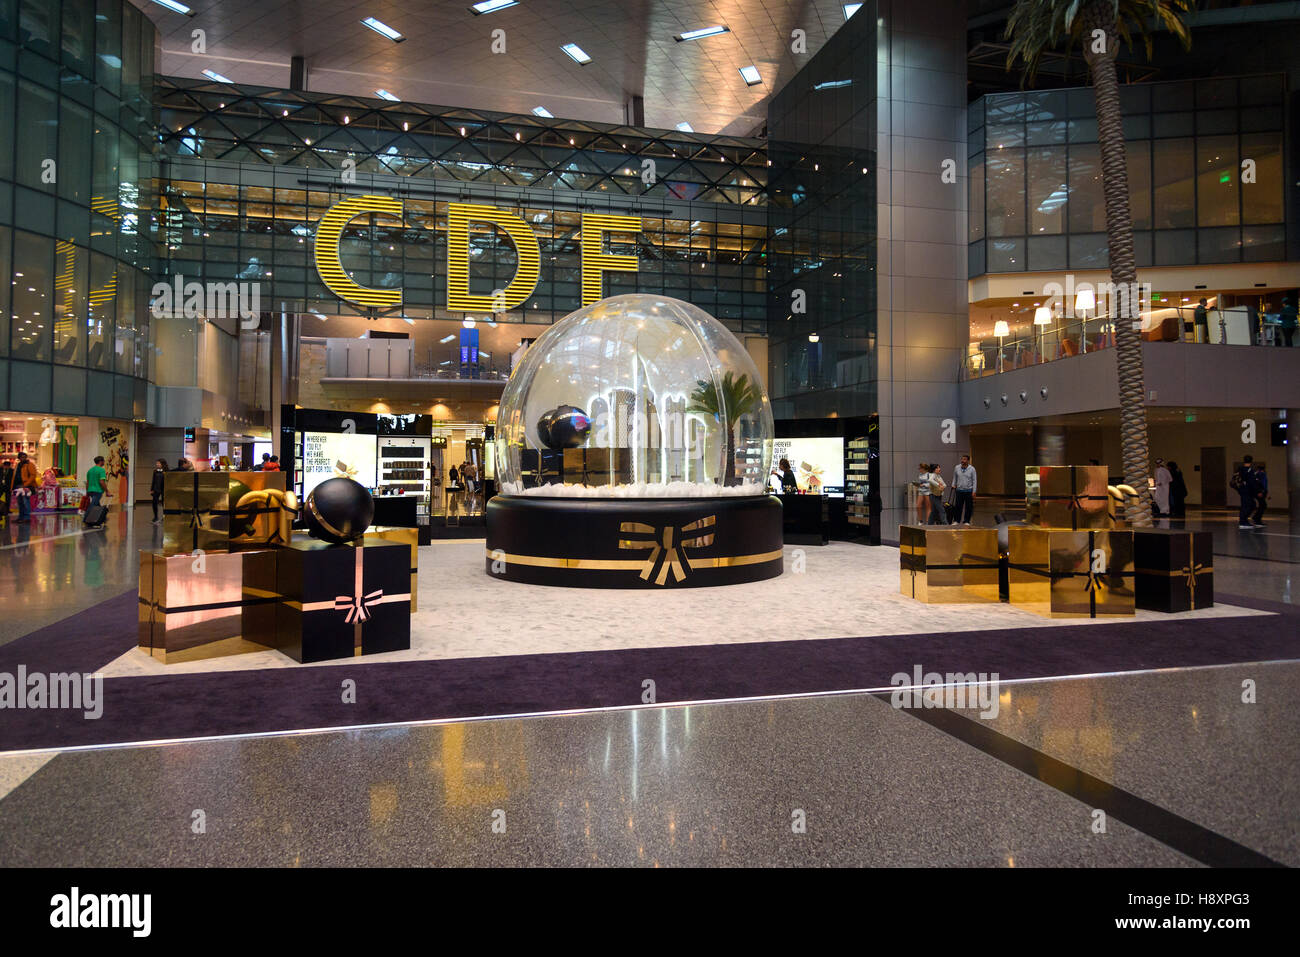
636	396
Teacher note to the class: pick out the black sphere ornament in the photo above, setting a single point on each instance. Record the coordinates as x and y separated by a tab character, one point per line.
570	427
544	429
339	510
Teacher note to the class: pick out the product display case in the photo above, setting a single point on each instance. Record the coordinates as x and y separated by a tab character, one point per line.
404	470
857	481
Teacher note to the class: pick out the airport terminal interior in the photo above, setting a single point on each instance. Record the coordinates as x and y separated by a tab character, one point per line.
526	433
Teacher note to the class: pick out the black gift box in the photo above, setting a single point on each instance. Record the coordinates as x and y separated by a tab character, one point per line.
1175	569
338	601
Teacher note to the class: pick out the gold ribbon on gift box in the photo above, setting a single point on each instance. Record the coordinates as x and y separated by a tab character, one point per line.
666	546
1188	573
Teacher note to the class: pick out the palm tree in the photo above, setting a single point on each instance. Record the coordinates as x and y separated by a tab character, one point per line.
737	397
1035	27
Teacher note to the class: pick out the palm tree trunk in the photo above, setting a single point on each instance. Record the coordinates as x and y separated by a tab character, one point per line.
1099	15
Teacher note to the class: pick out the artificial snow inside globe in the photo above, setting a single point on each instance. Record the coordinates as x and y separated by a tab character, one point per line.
633	444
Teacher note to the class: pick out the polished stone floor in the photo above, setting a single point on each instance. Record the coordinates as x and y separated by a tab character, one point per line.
1184	770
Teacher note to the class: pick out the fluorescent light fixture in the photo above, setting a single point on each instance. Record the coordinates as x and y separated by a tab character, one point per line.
576	53
383	29
832	84
701	34
385	95
214	75
445	339
485	355
750	73
175	7
491	6
543	111
850	9
686	127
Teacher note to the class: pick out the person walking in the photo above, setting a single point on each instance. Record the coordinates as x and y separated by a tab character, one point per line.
156	488
1177	492
937	485
963	491
96	476
1261	496
922	485
1289	322
1163	481
26	482
1243	481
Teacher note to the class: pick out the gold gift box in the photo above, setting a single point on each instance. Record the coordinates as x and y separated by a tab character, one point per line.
218	603
1063	573
598	466
1067	496
195	511
405	536
942	563
264	517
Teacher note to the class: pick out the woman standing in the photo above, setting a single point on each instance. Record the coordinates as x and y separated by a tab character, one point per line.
156	488
937	486
922	484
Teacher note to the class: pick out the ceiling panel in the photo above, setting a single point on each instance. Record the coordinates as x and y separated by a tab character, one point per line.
447	58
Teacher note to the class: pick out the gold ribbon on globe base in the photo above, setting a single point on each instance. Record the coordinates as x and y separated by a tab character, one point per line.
667	546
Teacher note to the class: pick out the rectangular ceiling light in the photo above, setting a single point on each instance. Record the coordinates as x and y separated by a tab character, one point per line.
175	7
385	95
543	111
686	127
491	6
850	9
214	75
750	73
576	53
832	84
446	339
701	34
383	29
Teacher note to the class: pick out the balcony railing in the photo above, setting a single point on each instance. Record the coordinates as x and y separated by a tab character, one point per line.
1066	338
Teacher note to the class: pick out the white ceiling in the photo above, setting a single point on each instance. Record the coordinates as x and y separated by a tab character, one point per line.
446	59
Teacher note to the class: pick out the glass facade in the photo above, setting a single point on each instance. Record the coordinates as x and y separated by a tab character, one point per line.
1036	201
822	287
76	82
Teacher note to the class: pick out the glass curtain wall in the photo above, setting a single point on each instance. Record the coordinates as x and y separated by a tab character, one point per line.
76	173
1204	164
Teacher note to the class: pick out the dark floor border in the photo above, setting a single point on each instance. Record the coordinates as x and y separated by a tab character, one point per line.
306	697
1187	837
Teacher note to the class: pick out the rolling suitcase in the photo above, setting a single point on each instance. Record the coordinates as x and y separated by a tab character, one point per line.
96	516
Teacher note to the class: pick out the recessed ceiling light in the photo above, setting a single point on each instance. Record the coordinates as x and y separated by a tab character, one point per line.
214	75
750	73
686	127
491	6
385	95
850	9
175	7
576	53
383	29
543	111
701	34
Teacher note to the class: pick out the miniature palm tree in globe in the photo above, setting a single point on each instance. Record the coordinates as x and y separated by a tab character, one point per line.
737	397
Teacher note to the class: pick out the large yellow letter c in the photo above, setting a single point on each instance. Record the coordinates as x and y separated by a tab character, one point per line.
329	234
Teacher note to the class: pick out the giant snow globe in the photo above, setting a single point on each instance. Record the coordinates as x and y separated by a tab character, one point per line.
633	445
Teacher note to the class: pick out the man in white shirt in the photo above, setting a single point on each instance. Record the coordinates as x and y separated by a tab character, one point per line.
963	490
1163	480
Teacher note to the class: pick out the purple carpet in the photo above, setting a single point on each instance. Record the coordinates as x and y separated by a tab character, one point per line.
137	709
